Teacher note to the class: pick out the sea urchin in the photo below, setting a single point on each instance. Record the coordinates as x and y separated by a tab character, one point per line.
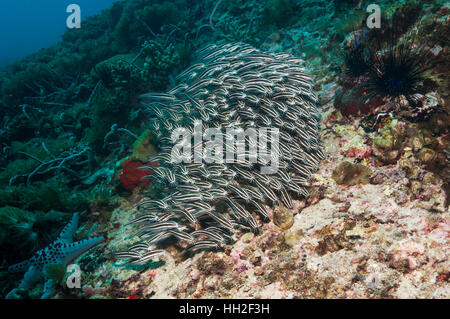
398	70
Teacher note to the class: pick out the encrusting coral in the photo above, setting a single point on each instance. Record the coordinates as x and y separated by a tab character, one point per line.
132	175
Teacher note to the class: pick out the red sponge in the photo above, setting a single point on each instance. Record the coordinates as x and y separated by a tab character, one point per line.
132	175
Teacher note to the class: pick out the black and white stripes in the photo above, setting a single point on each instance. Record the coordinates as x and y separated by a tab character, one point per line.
237	86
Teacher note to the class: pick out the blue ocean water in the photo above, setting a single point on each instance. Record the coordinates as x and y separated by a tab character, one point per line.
28	25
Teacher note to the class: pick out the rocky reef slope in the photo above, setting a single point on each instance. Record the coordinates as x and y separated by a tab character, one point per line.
376	223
